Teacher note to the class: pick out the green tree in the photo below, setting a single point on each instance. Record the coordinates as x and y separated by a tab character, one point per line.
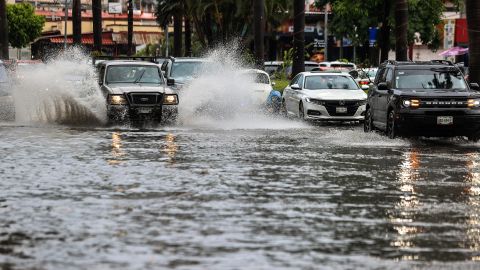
423	17
23	25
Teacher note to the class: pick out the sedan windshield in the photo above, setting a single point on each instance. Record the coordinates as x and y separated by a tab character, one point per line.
430	79
321	82
134	74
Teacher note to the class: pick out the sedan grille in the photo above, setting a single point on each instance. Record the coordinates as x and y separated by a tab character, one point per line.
351	106
145	99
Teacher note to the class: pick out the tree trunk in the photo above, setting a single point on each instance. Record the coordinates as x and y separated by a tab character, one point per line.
130	28
298	37
3	30
473	19
188	37
259	29
401	30
177	34
77	22
97	25
384	37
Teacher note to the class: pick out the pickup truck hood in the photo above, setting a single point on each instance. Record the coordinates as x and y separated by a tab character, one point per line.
336	94
436	93
129	88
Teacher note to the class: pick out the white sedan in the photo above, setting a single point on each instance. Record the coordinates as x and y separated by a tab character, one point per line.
261	86
324	96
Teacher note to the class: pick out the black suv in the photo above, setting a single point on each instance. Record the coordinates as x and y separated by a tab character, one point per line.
179	71
429	99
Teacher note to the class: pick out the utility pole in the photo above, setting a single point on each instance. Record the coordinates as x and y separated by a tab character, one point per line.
97	25
167	41
130	28
325	34
298	37
259	30
3	30
77	22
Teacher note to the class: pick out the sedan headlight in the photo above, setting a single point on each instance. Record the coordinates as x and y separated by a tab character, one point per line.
117	100
473	103
315	101
170	99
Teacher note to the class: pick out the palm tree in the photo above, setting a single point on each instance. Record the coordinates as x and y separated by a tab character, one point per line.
401	30
473	19
259	30
3	30
298	37
97	25
77	22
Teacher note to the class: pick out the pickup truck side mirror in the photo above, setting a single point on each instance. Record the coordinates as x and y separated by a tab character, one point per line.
474	86
170	82
382	86
295	86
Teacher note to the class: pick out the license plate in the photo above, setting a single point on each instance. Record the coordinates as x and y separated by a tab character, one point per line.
144	110
444	120
341	109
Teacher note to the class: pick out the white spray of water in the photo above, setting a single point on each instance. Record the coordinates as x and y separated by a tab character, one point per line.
220	97
63	91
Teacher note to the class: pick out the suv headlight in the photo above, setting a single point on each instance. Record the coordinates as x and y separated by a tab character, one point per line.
117	100
414	103
473	103
170	99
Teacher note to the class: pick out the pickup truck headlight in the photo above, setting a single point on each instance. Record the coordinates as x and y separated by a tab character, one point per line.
414	103
170	99
473	103
117	100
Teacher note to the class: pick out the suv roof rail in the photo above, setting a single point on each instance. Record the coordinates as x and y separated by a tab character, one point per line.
152	59
440	61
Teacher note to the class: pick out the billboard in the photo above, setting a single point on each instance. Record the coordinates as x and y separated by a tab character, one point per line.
114	8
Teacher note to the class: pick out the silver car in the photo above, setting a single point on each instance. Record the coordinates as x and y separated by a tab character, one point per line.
324	96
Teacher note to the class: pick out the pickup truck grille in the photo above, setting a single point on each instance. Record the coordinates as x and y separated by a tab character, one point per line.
145	99
443	103
331	106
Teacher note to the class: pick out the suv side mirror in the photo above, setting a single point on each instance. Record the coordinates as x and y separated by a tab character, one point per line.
382	86
170	82
474	86
295	86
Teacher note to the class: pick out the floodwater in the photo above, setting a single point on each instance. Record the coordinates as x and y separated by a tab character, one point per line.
240	192
285	196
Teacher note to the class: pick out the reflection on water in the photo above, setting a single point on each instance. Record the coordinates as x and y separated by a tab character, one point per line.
405	210
117	152
473	201
170	147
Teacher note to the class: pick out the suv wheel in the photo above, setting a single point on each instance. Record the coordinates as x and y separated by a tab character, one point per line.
368	122
301	113
391	126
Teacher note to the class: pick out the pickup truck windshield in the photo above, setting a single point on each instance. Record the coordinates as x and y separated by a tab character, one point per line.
430	79
133	74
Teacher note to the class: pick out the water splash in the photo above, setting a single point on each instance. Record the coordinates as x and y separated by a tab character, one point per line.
62	91
220	97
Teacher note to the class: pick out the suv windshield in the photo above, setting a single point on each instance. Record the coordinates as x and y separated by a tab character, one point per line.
330	82
184	71
133	74
430	79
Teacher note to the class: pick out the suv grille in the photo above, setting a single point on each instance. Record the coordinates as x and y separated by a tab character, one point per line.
331	106
144	99
443	103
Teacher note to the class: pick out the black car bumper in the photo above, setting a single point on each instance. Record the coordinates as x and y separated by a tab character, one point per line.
121	113
464	122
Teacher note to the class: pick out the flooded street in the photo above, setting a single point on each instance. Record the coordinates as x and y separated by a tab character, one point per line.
276	195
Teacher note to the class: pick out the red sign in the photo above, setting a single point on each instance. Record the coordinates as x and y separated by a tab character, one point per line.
461	31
